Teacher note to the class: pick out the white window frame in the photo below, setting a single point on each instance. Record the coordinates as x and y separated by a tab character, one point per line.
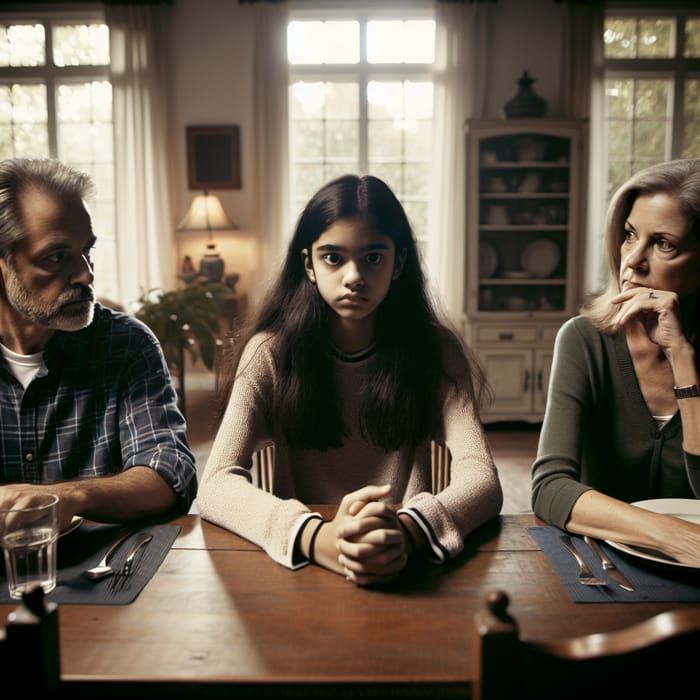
362	72
676	69
51	75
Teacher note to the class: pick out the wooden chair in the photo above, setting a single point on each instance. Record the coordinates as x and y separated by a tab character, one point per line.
264	467
652	659
29	649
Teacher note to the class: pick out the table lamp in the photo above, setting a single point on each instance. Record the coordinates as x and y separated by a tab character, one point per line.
207	214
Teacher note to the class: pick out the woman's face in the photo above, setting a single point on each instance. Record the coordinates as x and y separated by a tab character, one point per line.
658	250
353	267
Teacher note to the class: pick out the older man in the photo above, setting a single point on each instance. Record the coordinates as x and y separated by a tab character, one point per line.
87	408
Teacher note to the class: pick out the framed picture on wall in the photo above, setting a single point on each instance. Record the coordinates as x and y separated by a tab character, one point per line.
213	157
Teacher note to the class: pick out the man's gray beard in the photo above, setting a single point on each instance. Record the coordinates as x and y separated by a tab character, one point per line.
55	316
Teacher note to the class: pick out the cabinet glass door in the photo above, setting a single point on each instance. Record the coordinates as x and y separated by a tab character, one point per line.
524	215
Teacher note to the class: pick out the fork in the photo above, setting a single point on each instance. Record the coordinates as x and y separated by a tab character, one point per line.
584	573
127	569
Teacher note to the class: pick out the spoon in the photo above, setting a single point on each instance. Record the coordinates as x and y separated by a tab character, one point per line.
103	569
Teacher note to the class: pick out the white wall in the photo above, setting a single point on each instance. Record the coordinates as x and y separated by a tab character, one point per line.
211	83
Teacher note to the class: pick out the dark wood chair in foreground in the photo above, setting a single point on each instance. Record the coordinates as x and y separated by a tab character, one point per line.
29	649
658	658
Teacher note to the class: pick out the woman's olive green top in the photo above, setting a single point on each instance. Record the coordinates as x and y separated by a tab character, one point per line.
598	431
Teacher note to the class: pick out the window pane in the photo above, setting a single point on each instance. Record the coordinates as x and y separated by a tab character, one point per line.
619	139
657	38
22	45
323	42
23	121
620	37
384	128
384	140
341	140
619	99
649	141
627	37
324	99
81	44
85	122
652	99
692	37
398	41
691	119
618	173
307	137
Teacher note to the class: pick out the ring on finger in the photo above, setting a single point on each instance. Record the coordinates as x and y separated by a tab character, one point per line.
651	294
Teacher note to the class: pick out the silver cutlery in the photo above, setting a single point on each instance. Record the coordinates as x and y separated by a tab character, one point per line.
584	574
103	569
121	575
608	565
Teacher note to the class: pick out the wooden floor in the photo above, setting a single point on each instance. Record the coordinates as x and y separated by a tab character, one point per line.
513	444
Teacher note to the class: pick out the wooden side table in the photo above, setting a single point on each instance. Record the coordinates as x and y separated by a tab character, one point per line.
233	306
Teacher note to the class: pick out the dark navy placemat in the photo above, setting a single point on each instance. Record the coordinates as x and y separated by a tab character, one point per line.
85	547
652	581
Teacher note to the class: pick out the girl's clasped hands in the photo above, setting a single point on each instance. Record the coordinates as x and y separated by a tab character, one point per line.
365	541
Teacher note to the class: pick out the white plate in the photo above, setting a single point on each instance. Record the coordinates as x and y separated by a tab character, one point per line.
488	260
74	525
541	258
685	508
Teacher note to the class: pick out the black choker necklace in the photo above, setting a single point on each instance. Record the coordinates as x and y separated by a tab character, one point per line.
353	356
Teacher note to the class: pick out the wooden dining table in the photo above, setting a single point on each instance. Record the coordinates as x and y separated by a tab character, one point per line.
221	619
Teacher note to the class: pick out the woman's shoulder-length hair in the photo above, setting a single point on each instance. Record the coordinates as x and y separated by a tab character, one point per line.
677	178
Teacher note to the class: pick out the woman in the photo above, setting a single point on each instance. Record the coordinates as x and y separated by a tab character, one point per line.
348	372
623	413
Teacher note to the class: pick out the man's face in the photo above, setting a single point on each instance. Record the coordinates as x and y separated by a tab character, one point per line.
48	278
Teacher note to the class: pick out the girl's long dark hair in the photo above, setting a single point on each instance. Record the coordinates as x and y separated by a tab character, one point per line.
398	404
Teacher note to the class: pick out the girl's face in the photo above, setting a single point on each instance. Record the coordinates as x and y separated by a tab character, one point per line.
353	268
658	251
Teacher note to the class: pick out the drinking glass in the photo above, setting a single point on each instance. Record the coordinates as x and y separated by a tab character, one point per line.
28	536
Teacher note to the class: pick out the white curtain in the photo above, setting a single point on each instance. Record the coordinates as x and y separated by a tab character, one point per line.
461	39
139	47
270	213
583	90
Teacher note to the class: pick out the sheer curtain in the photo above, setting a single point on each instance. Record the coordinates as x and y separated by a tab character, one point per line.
270	212
462	33
138	45
583	91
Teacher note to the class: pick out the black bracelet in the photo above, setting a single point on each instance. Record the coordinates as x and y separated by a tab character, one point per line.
686	392
409	536
312	541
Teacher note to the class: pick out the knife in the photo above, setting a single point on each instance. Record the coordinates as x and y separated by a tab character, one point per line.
608	565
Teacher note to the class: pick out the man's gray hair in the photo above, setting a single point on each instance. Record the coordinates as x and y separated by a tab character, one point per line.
44	174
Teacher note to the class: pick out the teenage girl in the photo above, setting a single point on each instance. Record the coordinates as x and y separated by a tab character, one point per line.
349	374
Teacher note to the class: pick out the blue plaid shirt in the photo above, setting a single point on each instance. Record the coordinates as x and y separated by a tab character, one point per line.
102	402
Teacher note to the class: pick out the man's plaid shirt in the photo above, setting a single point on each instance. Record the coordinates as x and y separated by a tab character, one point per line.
102	402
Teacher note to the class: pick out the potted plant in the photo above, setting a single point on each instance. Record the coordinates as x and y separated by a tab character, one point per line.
184	320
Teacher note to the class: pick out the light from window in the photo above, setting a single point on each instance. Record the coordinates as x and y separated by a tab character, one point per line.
692	37
646	80
631	37
22	45
691	119
323	42
397	41
85	44
639	115
64	111
361	101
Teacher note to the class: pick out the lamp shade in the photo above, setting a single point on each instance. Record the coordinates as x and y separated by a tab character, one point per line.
206	214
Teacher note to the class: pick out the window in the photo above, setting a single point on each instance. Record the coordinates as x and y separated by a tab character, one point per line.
56	101
652	90
361	101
